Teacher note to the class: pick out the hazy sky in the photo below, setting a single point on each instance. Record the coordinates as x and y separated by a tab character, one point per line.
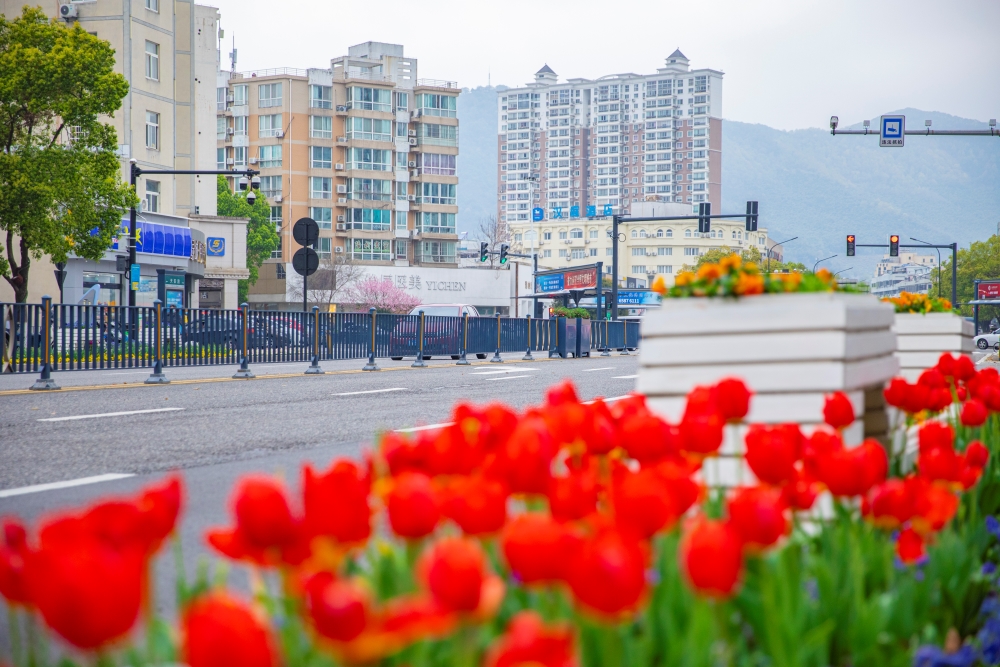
788	63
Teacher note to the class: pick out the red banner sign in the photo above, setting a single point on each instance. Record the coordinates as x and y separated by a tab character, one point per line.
989	290
583	279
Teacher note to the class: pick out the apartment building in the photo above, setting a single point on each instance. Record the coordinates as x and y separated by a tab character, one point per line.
582	146
365	148
908	272
647	249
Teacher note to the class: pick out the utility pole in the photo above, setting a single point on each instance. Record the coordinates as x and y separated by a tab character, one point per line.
615	219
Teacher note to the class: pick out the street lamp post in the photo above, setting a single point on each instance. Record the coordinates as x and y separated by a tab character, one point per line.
822	260
939	262
532	183
772	247
841	271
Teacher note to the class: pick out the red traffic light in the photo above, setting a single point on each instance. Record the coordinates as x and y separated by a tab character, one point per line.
893	239
850	238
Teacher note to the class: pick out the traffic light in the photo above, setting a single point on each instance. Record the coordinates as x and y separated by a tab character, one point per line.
704	217
894	245
503	253
484	251
850	245
751	216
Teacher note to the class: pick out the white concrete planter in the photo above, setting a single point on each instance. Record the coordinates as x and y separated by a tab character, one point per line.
790	349
923	338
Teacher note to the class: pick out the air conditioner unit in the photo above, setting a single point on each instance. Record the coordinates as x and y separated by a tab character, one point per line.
411	163
253	160
339	166
414	172
342	108
413	141
412	133
340	218
230	131
277	199
411	198
341	140
586	240
341	189
339	249
569	240
279	134
341	200
341	227
568	258
67	11
230	161
230	98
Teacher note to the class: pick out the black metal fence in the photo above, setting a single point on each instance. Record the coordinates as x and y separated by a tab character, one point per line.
84	337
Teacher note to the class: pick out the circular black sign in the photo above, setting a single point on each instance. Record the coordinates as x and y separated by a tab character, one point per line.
305	261
305	231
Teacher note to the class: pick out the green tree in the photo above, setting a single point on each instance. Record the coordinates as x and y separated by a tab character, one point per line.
980	261
60	180
262	238
715	255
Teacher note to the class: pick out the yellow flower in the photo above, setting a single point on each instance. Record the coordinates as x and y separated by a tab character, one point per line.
825	275
729	262
659	285
790	281
709	272
749	283
683	279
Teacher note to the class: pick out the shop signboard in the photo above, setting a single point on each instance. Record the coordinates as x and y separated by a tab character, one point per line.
638	298
989	289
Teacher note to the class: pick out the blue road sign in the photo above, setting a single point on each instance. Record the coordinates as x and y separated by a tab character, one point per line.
591	211
134	276
574	211
609	209
892	131
537	214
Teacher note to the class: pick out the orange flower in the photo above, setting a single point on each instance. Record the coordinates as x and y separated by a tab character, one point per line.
684	278
659	285
749	284
709	271
730	262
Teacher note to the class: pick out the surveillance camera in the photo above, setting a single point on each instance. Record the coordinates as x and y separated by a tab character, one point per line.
833	122
251	198
255	183
243	182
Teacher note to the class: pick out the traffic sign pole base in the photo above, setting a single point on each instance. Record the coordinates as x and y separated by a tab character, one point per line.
419	363
244	375
624	352
46	384
157	378
496	358
606	352
315	370
527	356
463	362
371	366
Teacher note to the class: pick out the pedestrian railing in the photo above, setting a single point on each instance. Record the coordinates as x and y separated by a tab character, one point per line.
54	337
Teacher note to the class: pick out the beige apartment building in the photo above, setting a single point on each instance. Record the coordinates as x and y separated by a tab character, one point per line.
365	148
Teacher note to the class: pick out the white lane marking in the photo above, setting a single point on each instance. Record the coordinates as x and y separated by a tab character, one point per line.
507	370
52	486
602	368
510	377
608	400
108	414
624	377
427	427
370	391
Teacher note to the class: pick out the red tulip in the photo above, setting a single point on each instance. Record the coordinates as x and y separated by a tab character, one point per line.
976	454
969	477
910	546
402	453
574	495
86	590
643	503
935	505
732	399
932	378
528	642
454	570
412	505
817	446
800	493
946	365
336	502
266	532
896	393
220	631
838	411
771	452
989	394
338	608
974	413
160	505
477	504
852	472
608	573
644	435
939	399
13	554
524	460
711	557
758	515
934	435
701	432
600	431
537	547
939	463
890	504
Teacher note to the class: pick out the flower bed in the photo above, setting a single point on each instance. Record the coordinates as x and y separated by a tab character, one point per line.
569	534
925	328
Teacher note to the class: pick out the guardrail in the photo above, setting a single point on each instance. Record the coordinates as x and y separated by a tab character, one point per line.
46	337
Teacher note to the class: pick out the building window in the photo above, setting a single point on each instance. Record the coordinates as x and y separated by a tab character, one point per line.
369	219
270	186
546	236
370	129
576	233
438	223
546	253
687	233
579	253
402	247
370	189
664	268
445	106
276	254
373	99
220	159
664	251
369	249
240	94
608	252
690	252
562	236
152	196
593	233
276	215
593	252
430	134
438	193
321	157
270	156
370	159
220	126
269	125
152	60
320	187
638	252
220	99
269	95
437	252
639	268
323	215
402	101
320	127
323	250
153	5
152	130
240	125
437	164
240	156
320	97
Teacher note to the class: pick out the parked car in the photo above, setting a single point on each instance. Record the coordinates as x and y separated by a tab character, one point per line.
441	336
988	340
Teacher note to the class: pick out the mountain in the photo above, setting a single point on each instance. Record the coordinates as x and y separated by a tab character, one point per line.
809	183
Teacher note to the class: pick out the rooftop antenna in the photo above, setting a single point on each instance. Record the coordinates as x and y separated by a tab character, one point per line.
232	54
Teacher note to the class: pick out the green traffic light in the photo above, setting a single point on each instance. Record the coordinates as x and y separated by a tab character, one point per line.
503	260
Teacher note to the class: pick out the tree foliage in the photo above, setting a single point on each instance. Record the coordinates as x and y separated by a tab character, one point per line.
262	238
980	261
380	294
749	254
60	178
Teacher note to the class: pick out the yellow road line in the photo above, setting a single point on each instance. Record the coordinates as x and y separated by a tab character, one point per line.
281	376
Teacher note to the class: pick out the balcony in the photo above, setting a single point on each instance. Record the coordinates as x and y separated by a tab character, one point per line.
437	83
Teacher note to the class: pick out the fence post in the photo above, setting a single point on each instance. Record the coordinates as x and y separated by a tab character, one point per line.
371	365
462	361
45	381
527	355
244	371
314	368
554	347
624	351
496	355
419	363
157	377
606	352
